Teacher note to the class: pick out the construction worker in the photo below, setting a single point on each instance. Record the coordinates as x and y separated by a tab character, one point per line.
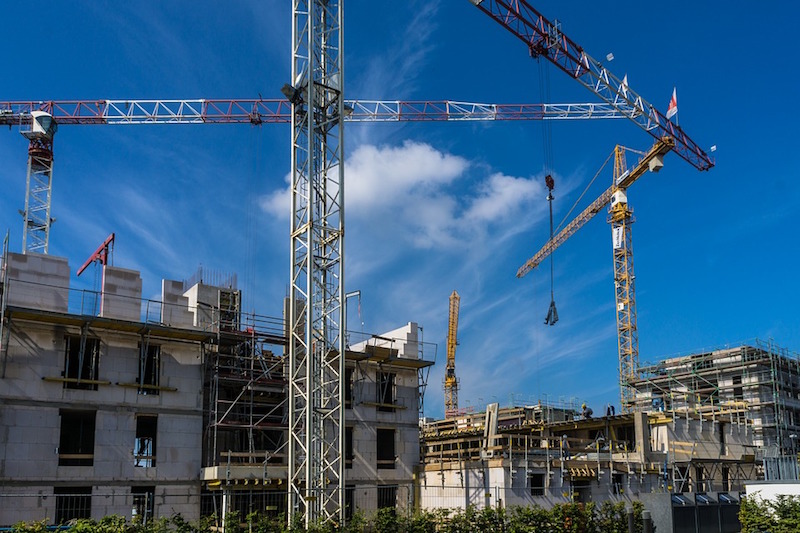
586	411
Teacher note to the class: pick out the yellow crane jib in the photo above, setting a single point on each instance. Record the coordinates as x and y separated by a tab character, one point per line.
652	157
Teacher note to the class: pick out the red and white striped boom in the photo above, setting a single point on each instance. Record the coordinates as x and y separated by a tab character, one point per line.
545	39
269	111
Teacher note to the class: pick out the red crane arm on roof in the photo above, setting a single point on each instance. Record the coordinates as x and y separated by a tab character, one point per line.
101	254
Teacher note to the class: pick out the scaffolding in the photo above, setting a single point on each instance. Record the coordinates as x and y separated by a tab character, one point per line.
246	391
755	384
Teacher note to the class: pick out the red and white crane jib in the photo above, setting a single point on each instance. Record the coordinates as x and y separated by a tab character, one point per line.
543	38
271	111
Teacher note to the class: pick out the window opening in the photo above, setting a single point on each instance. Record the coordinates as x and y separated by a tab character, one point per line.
617	483
149	367
143	506
348	447
349	501
348	388
81	361
144	451
738	390
536	482
385	397
387	496
72	503
386	454
76	442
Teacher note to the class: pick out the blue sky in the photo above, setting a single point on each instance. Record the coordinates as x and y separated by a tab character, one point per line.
434	207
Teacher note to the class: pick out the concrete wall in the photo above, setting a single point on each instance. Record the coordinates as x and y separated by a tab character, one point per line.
204	301
365	417
38	502
404	339
175	306
38	281
122	294
696	439
32	397
496	482
767	490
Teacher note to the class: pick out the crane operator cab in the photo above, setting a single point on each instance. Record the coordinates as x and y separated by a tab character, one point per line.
43	125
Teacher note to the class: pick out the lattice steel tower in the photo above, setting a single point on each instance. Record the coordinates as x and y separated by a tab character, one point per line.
316	317
39	183
621	218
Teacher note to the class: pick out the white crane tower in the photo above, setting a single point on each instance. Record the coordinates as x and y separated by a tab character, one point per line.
316	294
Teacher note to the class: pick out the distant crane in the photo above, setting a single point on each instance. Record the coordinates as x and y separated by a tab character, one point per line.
450	380
621	218
101	257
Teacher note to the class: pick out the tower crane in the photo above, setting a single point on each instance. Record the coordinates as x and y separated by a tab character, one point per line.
621	218
450	380
544	39
40	119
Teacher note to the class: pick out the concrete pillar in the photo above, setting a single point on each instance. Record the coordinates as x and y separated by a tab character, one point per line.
631	522
642	436
647	521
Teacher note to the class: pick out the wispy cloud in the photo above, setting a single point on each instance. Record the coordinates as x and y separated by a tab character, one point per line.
397	68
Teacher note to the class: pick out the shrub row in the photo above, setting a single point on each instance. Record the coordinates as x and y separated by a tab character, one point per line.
563	518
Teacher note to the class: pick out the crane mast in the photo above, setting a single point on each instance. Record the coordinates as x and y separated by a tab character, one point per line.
316	294
38	183
621	218
450	380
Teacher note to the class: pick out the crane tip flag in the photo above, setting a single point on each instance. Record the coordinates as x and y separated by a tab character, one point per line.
672	110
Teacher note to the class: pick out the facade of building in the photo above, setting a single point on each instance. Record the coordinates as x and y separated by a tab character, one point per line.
759	383
527	456
101	411
114	404
383	399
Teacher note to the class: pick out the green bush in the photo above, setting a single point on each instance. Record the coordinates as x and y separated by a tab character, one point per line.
562	518
39	526
778	516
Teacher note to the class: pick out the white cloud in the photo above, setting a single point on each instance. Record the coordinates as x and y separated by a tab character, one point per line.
424	197
501	197
379	177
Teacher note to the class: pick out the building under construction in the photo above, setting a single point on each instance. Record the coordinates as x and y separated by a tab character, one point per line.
543	455
701	427
115	404
758	382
